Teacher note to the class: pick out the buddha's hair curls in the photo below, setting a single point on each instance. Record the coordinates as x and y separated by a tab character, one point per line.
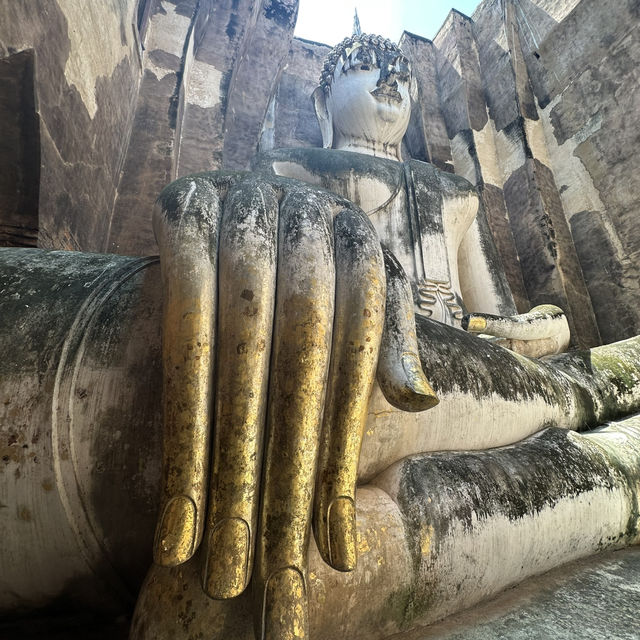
336	54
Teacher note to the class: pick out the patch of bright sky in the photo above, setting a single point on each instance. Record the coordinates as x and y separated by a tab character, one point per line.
330	21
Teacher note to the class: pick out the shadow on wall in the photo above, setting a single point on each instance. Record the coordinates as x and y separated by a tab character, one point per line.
19	152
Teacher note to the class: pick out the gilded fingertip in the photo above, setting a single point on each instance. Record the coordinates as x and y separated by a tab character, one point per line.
474	324
417	382
285	606
176	532
342	534
226	571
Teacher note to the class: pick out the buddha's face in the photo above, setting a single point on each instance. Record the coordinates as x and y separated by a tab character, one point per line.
369	97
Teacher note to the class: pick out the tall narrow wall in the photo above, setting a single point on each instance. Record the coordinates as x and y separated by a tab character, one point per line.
77	99
210	69
584	67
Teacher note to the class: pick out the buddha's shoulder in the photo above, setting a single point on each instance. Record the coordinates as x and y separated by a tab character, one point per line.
325	162
313	164
425	173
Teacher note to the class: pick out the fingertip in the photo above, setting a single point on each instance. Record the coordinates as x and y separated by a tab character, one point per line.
421	393
226	570
176	532
285	608
342	534
474	323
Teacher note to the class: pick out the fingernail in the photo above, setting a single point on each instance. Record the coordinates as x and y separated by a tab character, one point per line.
342	534
226	569
474	324
176	532
417	381
285	606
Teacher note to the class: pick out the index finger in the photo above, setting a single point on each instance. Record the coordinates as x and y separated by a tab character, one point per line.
186	227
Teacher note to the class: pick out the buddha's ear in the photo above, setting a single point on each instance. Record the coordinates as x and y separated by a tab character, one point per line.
325	120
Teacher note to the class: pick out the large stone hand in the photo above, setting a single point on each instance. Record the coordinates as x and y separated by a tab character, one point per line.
273	320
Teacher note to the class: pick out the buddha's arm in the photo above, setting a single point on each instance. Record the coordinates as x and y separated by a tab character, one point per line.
542	331
489	303
483	283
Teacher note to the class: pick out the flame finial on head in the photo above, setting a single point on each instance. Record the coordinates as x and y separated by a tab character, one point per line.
357	30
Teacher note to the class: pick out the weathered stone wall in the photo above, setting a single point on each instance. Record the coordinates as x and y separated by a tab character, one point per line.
210	69
291	119
149	162
68	82
570	114
584	71
497	143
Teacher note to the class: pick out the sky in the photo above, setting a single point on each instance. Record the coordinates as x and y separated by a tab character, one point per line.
329	21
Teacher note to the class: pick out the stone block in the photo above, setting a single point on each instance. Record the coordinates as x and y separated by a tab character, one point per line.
550	267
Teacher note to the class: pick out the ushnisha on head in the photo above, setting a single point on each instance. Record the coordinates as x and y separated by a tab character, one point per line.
363	102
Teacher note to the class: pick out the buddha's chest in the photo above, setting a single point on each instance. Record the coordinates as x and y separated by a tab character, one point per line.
420	213
423	224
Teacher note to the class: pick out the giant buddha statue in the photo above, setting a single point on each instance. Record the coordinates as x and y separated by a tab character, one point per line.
321	368
303	320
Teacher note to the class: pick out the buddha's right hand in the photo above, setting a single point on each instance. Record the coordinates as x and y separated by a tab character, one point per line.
273	320
541	332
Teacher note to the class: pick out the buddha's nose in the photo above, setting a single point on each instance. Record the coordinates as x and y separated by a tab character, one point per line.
388	75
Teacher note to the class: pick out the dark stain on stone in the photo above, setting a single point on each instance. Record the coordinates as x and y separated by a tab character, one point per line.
280	12
164	59
515	482
225	82
475	373
232	26
614	304
544	100
20	157
186	8
247	294
174	104
123	32
24	514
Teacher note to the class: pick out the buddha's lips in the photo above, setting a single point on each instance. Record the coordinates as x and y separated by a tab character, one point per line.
387	92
